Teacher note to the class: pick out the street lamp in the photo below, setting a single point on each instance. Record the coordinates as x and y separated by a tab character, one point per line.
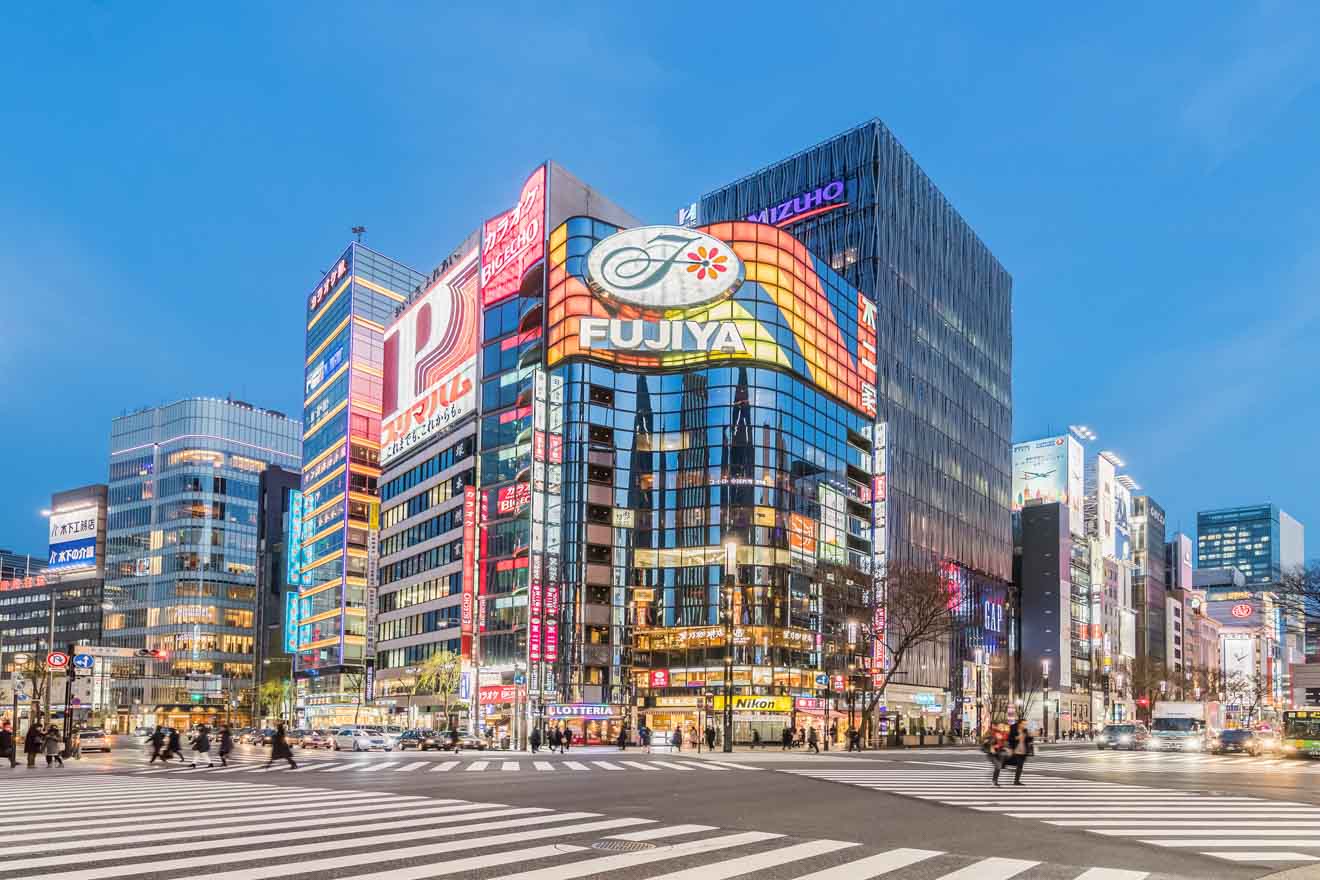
727	607
980	653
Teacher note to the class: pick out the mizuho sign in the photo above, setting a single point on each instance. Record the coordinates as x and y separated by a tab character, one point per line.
662	270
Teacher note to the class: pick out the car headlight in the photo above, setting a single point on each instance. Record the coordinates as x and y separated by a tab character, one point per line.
1125	738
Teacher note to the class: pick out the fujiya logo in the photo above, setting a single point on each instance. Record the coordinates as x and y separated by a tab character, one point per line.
1242	610
661	269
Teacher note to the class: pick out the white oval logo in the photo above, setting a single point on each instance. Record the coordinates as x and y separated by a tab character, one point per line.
663	267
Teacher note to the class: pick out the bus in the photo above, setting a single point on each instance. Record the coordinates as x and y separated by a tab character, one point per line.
1301	733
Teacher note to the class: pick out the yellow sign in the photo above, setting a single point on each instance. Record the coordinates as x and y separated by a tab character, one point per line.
675	702
744	703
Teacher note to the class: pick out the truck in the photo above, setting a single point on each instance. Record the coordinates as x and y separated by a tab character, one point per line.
1183	727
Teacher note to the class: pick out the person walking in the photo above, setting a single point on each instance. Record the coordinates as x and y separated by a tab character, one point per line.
568	738
535	740
33	742
202	746
854	739
1021	745
157	741
53	744
756	739
645	734
677	739
710	737
786	738
993	744
453	739
279	747
8	745
813	739
226	745
173	746
834	735
556	739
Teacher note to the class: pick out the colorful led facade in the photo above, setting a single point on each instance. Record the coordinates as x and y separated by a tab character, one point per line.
346	313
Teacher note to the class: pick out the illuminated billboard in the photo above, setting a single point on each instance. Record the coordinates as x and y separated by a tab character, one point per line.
512	242
72	540
666	296
431	361
1047	471
1105	487
1122	522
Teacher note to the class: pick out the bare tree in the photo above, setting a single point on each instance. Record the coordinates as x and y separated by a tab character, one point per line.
1246	692
917	611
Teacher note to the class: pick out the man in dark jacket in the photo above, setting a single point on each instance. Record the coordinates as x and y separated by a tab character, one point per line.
173	746
7	744
157	741
226	745
279	747
33	743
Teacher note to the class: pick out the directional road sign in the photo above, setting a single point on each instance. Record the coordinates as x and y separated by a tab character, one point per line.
57	660
83	661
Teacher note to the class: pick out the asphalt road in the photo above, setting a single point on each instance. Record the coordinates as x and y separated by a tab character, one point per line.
1155	815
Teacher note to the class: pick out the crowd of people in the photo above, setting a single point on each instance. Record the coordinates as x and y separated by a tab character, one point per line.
39	741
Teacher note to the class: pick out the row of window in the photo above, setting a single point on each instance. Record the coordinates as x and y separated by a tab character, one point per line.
412	655
417	624
421	562
445	458
423	531
423	591
423	501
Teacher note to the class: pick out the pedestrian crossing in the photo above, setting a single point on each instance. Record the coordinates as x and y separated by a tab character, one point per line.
191	829
1096	760
1231	828
479	765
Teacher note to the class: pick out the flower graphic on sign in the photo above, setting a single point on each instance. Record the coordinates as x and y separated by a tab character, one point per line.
707	262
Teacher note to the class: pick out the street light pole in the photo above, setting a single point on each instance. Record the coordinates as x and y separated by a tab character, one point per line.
979	653
730	584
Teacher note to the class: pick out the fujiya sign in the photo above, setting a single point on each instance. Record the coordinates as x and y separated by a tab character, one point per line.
662	269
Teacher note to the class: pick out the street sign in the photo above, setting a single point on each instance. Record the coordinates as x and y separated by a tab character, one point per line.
57	660
104	651
822	680
83	661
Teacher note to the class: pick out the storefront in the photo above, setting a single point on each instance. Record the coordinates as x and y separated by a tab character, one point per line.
915	711
591	723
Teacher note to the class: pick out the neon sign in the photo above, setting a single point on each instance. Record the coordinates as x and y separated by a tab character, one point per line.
808	204
327	284
512	242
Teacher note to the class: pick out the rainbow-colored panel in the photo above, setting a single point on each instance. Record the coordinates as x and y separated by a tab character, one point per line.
793	311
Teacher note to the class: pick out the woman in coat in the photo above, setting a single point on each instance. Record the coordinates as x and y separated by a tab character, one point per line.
279	748
33	744
54	743
226	745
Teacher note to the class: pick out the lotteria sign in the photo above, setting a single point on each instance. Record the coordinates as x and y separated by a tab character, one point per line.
803	205
580	710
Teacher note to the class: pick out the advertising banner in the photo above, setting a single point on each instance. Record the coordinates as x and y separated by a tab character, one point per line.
73	540
1105	494
430	361
468	617
512	242
1051	470
495	694
663	297
373	575
1122	522
294	553
291	622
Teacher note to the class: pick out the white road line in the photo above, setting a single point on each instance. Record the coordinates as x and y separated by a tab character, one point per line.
509	765
575	765
991	869
605	765
730	765
671	765
1264	856
628	860
544	766
640	765
874	866
1154	830
198	801
411	765
276	867
473	863
477	765
444	766
380	766
657	833
1111	874
1234	841
749	864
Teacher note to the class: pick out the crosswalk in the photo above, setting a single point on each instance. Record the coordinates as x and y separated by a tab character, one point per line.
497	765
1231	828
189	829
1095	760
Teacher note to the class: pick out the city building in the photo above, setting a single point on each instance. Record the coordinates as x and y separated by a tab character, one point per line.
181	556
943	350
1149	591
1180	602
1261	541
279	505
346	313
19	566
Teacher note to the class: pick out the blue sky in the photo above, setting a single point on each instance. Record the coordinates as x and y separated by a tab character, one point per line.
174	182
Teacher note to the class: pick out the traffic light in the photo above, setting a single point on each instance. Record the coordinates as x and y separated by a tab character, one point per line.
1143	702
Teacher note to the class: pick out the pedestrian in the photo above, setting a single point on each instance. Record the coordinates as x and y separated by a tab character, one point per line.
453	739
226	745
157	741
535	740
54	743
756	739
992	744
568	738
623	739
556	739
173	746
75	745
1021	745
812	739
202	746
677	739
786	738
710	737
33	743
8	747
279	747
834	735
645	734
693	739
854	739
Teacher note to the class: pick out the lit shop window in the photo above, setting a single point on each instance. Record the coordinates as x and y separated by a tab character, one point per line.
198	456
242	463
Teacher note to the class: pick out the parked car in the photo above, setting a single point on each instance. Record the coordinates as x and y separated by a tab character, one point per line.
317	739
94	739
296	737
1130	736
359	739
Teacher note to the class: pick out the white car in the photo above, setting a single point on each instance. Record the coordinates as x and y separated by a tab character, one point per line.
357	739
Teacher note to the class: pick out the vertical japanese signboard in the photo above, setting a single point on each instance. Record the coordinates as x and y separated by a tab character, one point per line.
879	543
512	242
373	575
545	576
468	610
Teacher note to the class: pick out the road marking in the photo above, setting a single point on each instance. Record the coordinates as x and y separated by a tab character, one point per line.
443	766
874	866
509	765
657	833
477	765
671	765
748	864
1111	874
1263	856
605	765
575	765
543	766
473	863
411	765
623	862
991	869
640	765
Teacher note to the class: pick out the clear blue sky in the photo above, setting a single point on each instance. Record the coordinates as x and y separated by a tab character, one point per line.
174	178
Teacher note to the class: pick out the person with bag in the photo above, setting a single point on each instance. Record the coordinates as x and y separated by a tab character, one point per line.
202	746
813	739
1017	748
535	740
173	747
54	745
226	745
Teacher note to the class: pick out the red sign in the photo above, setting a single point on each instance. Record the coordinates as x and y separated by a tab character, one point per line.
513	241
534	609
511	499
23	583
551	607
836	683
493	694
659	678
1243	610
469	591
327	284
57	660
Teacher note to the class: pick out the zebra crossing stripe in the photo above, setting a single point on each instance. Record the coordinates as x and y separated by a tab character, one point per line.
444	766
543	766
639	765
1263	856
992	869
474	863
605	765
411	765
623	862
509	765
477	765
658	833
575	765
748	864
671	765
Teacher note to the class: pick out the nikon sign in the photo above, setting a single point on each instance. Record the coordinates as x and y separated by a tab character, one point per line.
744	703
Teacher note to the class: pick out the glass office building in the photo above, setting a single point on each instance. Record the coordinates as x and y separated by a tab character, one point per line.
181	558
346	313
1261	541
